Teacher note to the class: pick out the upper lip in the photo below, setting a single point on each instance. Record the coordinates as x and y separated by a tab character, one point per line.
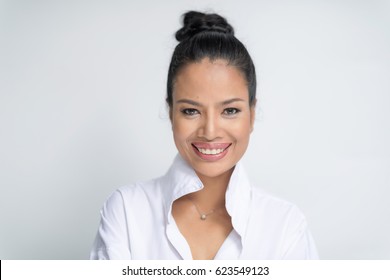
210	146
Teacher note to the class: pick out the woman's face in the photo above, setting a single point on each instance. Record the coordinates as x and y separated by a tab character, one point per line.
211	116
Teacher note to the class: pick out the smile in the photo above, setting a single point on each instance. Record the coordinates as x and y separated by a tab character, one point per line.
211	151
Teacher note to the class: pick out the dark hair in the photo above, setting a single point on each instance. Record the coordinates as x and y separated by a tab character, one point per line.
209	36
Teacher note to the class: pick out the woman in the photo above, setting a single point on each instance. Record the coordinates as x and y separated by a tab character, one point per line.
204	207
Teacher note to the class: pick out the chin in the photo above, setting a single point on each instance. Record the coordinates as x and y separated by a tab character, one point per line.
210	171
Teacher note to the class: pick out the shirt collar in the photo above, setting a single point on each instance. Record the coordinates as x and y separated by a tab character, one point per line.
238	195
181	179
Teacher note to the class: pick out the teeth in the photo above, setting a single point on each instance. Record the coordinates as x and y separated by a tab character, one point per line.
211	151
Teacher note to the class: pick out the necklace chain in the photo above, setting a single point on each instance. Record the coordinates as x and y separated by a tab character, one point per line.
202	215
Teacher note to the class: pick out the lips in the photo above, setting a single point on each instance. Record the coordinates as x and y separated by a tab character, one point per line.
210	151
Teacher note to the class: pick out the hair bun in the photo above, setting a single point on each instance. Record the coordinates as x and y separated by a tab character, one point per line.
196	22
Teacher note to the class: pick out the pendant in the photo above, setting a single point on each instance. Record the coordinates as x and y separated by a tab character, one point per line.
203	217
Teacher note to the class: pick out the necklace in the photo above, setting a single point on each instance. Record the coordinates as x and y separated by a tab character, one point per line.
202	216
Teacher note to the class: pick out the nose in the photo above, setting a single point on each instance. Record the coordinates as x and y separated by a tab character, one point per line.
210	127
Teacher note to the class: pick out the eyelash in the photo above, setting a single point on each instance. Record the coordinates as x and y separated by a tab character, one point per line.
189	111
235	111
227	111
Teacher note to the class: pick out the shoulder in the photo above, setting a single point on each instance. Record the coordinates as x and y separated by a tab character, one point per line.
139	188
264	196
282	227
135	195
279	208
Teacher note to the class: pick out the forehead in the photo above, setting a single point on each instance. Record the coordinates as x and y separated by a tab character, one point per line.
210	80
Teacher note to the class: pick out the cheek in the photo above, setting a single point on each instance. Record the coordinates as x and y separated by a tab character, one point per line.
181	130
241	129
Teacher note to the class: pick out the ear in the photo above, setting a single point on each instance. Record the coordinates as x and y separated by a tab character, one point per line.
253	114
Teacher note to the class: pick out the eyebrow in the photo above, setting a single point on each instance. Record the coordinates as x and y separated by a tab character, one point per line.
195	103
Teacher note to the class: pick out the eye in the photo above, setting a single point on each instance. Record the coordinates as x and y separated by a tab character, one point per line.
231	111
190	111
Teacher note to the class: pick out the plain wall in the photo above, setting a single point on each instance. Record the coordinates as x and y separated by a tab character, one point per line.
82	112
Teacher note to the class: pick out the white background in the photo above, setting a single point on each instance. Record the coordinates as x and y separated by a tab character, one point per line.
82	112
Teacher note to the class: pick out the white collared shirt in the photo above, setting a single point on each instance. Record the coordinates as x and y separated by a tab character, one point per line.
137	222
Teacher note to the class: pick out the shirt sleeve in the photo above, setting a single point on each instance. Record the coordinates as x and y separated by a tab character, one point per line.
299	243
112	239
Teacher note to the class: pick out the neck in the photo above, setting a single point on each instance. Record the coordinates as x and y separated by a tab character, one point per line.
212	195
